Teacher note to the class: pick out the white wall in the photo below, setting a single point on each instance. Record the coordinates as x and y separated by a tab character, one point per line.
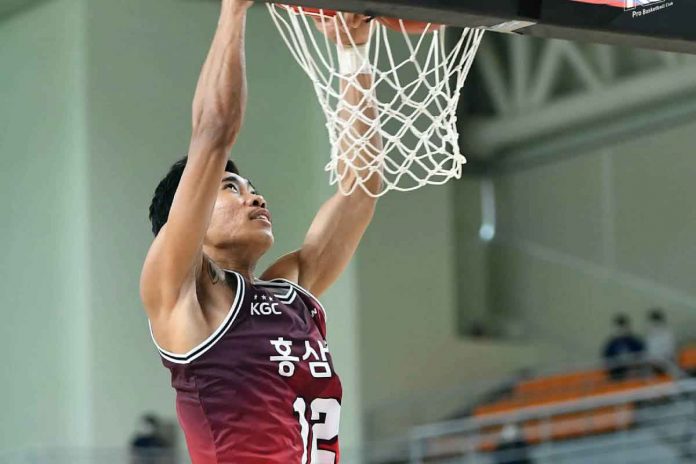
609	231
409	344
41	161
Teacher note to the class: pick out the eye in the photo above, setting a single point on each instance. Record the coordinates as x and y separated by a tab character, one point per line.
232	186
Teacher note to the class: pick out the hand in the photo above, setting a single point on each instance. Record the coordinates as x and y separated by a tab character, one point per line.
356	26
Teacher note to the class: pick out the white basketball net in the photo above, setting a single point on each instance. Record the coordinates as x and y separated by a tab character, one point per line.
415	90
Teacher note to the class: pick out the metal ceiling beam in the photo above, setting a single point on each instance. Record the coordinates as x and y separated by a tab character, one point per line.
594	136
486	136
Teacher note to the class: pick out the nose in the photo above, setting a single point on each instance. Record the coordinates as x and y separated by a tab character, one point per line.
257	201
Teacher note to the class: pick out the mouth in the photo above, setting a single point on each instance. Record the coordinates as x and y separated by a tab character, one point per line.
261	214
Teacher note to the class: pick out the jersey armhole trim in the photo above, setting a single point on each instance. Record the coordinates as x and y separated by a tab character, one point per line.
305	291
209	342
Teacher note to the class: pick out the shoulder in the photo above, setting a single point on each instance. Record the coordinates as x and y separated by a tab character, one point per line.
285	268
292	268
158	295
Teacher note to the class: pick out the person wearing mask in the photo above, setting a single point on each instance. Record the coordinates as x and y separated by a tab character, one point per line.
660	343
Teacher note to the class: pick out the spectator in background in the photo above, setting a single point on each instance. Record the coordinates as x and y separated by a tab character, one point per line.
623	350
512	448
660	343
149	446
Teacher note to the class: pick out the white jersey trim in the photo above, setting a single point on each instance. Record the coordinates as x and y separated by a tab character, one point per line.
209	342
305	291
288	297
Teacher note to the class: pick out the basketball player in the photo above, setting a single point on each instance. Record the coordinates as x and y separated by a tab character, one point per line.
248	357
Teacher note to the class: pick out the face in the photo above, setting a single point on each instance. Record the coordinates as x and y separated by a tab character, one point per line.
240	218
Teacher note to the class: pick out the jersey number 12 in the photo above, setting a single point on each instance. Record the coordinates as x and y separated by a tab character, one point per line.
326	430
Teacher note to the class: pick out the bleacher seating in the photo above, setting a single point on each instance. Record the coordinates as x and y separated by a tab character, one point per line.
566	388
563	388
572	417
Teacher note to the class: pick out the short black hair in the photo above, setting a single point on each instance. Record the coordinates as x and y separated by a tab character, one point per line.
622	321
656	315
151	419
164	193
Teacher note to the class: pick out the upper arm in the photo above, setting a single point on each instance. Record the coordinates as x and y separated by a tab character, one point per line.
176	253
329	244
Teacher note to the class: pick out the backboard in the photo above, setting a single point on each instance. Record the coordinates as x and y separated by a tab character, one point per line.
655	24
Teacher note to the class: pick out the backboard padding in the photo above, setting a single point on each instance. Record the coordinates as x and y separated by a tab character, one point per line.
661	25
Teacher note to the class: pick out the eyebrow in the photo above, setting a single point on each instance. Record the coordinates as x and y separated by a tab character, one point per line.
230	179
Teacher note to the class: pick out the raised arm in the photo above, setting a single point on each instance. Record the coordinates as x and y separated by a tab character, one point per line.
341	222
175	256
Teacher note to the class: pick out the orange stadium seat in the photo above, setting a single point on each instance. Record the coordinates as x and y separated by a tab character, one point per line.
687	358
570	381
564	388
558	395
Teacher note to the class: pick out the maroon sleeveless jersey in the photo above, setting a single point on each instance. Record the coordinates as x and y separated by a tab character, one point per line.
262	388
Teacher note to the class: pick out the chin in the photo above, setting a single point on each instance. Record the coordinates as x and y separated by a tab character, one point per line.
263	240
258	240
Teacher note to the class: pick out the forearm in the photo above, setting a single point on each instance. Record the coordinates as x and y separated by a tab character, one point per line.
220	98
354	92
341	222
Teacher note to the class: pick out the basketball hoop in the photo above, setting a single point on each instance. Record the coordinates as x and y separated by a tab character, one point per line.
416	87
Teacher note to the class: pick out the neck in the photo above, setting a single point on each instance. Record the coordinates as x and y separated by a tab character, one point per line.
241	263
246	270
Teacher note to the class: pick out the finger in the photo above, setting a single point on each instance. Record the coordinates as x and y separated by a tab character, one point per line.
352	20
324	23
359	20
349	17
